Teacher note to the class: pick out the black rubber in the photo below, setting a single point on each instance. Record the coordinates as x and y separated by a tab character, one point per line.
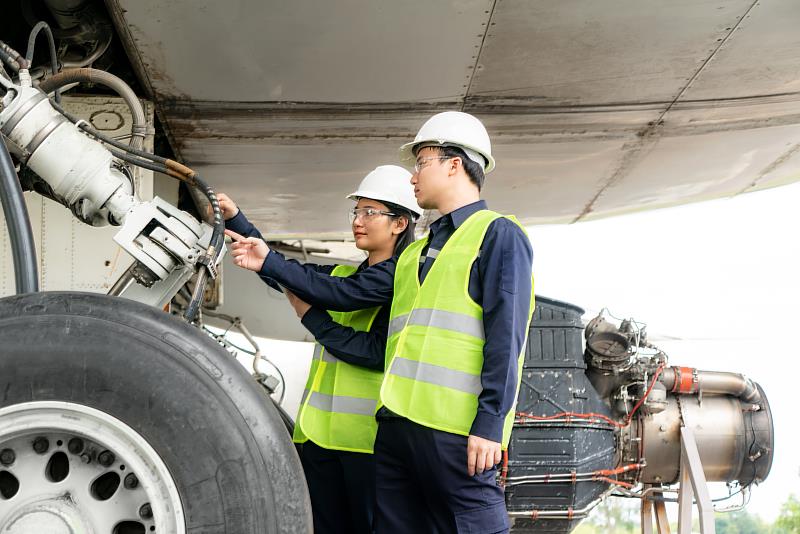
219	435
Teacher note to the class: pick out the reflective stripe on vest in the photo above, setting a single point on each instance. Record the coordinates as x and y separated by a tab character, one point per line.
445	320
436	374
340	404
340	400
435	343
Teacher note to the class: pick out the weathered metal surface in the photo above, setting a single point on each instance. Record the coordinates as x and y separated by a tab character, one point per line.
594	109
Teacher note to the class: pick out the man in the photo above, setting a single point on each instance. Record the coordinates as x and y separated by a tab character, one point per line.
462	299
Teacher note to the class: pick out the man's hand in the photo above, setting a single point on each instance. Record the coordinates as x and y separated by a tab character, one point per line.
300	306
227	206
482	454
248	252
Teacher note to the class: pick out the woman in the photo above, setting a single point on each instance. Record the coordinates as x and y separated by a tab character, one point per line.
335	428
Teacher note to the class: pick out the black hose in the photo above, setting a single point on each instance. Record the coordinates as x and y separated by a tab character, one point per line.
197	296
218	235
51	44
83	125
160	164
139	162
23	250
195	181
88	75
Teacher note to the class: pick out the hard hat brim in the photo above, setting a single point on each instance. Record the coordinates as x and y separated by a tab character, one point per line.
409	158
381	197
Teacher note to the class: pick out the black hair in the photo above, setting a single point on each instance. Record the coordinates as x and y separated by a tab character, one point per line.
473	170
407	236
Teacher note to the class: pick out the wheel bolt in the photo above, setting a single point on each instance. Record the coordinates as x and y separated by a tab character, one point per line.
75	445
7	457
106	458
131	481
40	445
86	458
146	512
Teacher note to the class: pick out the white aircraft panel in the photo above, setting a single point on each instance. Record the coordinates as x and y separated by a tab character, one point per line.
760	58
587	52
307	50
283	197
699	167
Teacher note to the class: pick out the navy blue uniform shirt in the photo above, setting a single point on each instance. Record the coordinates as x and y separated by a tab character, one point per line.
500	281
367	349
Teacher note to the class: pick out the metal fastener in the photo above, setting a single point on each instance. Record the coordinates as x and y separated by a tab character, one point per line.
75	445
7	457
106	458
146	512
41	445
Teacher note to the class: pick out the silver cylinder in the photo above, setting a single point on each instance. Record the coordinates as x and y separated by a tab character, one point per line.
734	438
714	382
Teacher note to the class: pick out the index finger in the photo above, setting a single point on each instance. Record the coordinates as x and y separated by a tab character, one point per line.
472	459
236	237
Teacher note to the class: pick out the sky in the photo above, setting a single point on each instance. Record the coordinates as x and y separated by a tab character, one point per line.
715	282
719	276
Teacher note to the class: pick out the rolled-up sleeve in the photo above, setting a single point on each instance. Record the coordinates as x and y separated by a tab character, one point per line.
505	270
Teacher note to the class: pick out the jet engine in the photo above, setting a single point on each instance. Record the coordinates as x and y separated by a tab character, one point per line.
607	419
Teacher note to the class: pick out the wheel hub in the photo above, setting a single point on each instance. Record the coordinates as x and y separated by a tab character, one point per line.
70	469
54	516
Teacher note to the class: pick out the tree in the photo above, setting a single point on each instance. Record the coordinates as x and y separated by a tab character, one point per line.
740	522
789	519
614	516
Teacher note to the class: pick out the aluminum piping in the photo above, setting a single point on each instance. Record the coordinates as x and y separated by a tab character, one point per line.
713	382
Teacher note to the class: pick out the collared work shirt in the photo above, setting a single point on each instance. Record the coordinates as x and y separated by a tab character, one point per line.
500	281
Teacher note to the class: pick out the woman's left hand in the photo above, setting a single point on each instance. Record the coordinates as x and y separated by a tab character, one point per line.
300	306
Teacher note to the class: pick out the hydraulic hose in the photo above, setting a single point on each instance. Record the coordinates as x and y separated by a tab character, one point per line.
197	296
172	168
12	58
23	249
52	47
89	75
162	165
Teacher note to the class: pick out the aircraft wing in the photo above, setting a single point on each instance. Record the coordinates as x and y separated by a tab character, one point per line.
594	108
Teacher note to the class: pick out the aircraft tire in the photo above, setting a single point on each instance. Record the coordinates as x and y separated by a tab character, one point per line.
91	374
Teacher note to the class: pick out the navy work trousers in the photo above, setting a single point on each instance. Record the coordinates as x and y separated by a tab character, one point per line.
342	489
423	487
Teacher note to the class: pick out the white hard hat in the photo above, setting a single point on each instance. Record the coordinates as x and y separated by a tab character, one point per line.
389	183
453	128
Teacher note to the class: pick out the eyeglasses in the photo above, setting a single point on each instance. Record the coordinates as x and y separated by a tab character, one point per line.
366	214
421	163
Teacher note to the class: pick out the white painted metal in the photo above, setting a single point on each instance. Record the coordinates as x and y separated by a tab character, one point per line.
693	486
39	504
73	255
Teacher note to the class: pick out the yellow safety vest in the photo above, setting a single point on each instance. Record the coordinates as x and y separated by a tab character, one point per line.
435	344
340	400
